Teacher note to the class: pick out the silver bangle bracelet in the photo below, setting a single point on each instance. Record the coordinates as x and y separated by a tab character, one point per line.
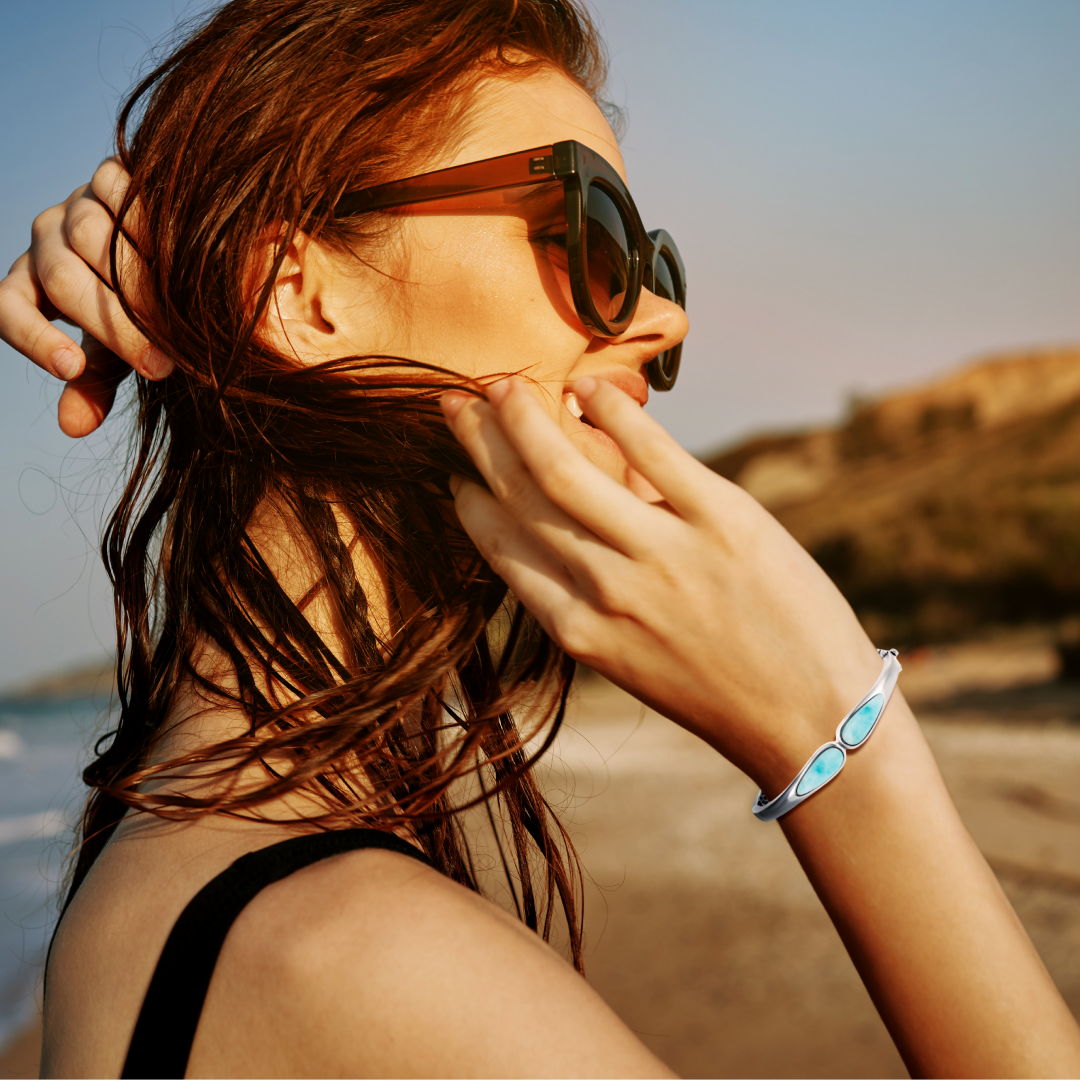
826	761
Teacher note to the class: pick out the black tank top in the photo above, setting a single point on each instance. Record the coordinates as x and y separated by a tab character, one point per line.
165	1030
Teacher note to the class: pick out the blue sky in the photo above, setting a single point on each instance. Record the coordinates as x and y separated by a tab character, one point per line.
866	193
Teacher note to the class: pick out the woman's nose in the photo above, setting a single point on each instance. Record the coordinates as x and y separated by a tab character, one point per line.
657	322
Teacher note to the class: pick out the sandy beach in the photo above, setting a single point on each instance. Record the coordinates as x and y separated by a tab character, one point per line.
703	932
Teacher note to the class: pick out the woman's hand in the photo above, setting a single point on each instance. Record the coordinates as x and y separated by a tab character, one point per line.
702	605
64	275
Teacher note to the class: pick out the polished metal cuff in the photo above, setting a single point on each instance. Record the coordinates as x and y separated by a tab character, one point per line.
826	761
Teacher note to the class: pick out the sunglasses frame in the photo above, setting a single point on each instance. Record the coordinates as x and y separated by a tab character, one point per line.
578	169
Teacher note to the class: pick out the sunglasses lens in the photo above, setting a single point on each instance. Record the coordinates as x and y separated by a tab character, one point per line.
664	287
664	279
667	283
607	253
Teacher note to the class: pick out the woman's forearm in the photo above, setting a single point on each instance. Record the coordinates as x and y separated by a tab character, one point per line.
703	607
944	956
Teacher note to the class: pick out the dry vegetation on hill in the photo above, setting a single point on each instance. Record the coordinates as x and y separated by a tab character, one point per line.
943	508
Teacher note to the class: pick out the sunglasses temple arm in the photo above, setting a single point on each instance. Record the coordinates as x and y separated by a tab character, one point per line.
493	174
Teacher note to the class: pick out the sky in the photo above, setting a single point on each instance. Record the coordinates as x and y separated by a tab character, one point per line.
866	193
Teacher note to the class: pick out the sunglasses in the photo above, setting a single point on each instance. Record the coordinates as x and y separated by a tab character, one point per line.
610	257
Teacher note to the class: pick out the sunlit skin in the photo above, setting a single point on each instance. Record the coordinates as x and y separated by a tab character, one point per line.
477	287
636	558
476	284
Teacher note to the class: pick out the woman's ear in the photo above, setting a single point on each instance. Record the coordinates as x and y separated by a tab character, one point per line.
296	320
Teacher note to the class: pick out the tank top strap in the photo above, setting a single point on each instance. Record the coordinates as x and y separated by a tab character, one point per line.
165	1030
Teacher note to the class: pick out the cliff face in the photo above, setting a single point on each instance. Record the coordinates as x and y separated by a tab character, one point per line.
940	508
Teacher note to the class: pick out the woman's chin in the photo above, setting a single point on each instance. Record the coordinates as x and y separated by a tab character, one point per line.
602	450
599	447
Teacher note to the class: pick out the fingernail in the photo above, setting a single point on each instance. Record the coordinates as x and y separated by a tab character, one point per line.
67	362
584	387
497	392
155	364
452	402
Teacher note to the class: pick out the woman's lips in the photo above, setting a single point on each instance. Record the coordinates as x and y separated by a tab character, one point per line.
632	383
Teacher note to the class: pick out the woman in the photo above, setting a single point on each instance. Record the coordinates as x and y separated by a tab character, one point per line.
311	645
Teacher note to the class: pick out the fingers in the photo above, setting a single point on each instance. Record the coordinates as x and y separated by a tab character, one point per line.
539	580
92	372
109	184
478	429
683	482
88	227
25	312
66	278
565	476
87	399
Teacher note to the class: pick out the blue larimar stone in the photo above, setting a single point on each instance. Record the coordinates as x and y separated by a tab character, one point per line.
860	724
824	767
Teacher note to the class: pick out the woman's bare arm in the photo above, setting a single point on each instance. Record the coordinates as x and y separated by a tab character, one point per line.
708	610
948	964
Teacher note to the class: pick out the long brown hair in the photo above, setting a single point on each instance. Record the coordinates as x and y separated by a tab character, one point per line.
264	114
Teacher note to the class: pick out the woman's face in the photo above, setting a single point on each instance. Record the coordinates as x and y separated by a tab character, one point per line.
477	284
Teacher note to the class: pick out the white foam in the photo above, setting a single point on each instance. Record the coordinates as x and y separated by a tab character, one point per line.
11	746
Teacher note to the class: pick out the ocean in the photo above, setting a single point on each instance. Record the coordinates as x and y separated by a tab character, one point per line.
43	747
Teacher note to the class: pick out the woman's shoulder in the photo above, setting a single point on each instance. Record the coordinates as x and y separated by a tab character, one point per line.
366	962
373	963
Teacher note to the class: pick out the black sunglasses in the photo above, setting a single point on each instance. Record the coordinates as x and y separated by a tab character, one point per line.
610	256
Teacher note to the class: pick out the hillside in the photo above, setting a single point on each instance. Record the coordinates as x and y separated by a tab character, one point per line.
92	680
941	508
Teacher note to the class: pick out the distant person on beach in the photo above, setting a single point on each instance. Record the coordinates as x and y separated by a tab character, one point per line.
393	316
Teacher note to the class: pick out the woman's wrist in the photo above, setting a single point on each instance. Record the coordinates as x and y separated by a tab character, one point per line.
826	762
789	726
